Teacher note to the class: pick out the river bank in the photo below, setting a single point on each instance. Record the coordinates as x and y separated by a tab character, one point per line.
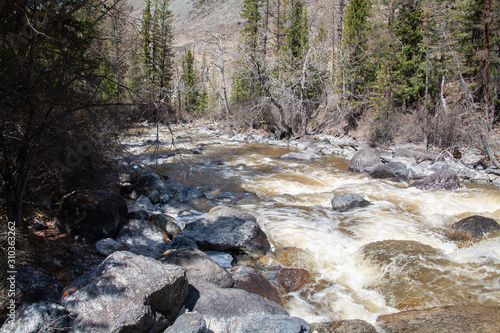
360	264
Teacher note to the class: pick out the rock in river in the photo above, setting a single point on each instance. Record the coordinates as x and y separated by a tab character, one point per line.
227	233
473	227
346	202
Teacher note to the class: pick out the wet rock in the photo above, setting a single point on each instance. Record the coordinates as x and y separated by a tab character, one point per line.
220	307
35	284
181	242
42	316
199	267
167	224
91	215
344	326
189	193
143	238
245	198
365	160
292	279
229	211
396	170
456	319
474	227
227	234
304	156
190	322
442	179
269	324
251	280
126	293
108	245
346	202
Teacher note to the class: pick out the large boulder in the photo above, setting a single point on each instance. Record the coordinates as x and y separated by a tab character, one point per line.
220	307
473	228
456	319
442	179
251	280
346	202
269	324
91	215
35	284
181	242
227	233
365	160
37	317
143	238
126	293
395	170
199	267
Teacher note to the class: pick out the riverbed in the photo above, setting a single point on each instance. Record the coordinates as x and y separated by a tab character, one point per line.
390	256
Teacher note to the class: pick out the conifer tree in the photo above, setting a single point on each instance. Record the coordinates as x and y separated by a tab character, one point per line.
409	57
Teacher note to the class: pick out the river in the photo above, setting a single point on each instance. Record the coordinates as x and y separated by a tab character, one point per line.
390	256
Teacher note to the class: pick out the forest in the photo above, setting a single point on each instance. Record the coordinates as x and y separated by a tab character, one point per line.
75	73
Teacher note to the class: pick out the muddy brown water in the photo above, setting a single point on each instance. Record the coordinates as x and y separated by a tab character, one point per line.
389	256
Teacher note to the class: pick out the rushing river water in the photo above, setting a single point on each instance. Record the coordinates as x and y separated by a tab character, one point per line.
389	256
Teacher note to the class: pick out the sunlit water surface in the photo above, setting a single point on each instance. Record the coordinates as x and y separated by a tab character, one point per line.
389	256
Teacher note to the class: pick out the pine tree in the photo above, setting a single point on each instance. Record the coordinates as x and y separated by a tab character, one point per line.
157	42
409	57
355	42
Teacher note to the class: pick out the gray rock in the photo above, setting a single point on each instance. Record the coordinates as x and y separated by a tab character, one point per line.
456	319
166	223
269	324
43	316
344	326
227	234
190	322
189	193
292	279
35	284
395	170
220	307
153	195
199	267
476	227
442	179
108	245
145	203
91	215
222	258
181	242
126	293
365	160
143	238
346	202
